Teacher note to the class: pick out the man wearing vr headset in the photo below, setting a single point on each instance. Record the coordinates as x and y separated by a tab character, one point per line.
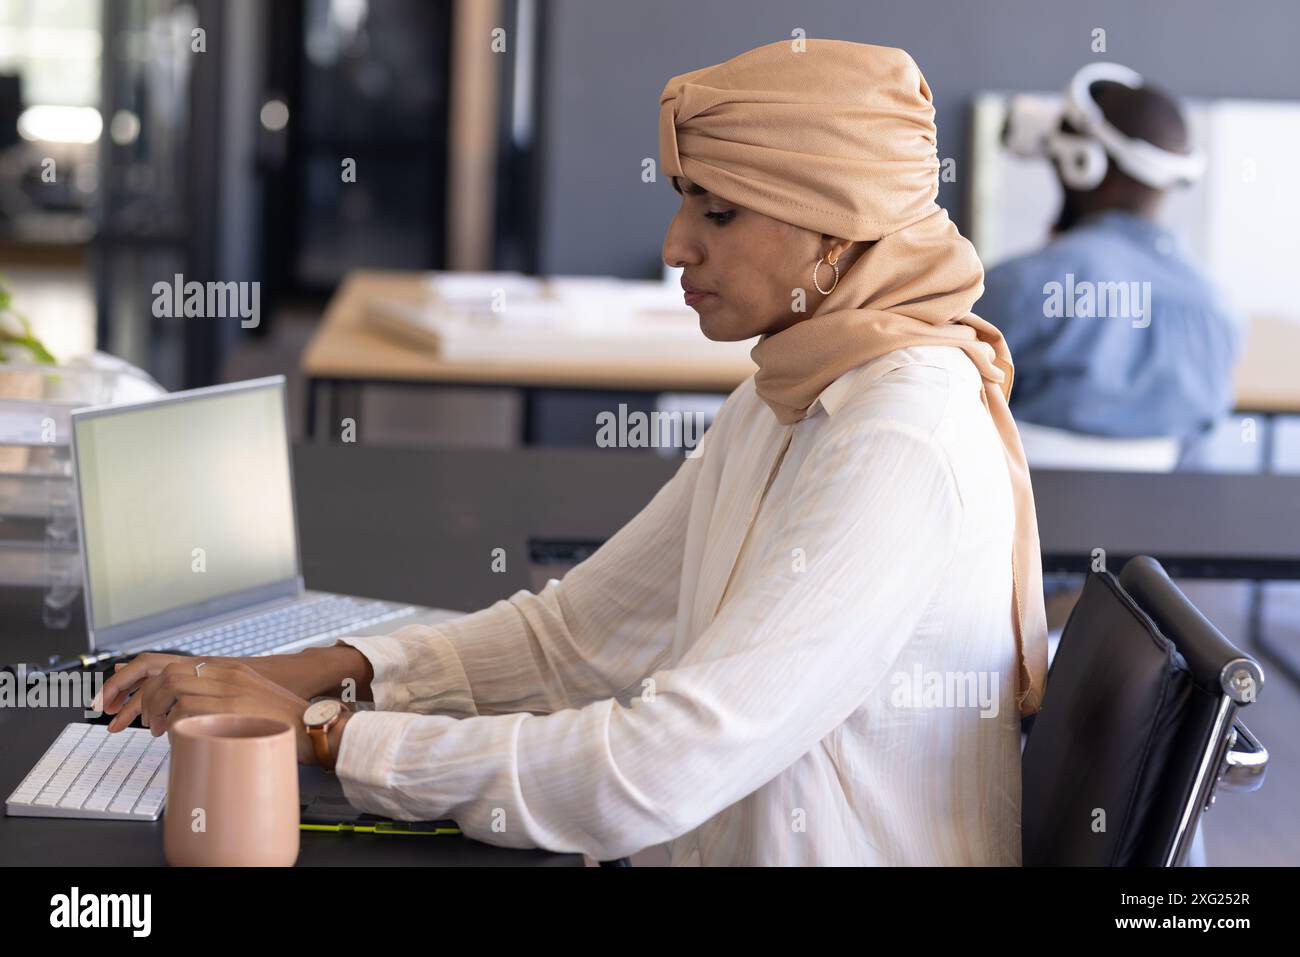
1164	368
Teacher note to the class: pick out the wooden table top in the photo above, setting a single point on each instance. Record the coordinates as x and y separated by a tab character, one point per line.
1268	375
345	347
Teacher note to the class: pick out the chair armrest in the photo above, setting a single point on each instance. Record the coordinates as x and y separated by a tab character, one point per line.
1245	762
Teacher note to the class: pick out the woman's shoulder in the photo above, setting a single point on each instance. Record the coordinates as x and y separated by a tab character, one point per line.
935	394
919	388
926	390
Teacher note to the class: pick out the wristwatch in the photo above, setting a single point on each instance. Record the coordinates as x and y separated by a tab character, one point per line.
320	718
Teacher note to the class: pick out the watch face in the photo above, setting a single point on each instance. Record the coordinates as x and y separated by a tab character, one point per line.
321	712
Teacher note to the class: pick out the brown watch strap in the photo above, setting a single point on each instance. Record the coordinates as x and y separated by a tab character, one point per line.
320	743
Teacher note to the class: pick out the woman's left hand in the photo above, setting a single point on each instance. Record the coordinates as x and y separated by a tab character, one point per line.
220	688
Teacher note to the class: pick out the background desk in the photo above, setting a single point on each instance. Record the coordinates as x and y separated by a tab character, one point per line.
344	355
444	510
1268	376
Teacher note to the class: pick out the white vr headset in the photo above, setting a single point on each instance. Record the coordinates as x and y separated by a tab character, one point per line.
1034	129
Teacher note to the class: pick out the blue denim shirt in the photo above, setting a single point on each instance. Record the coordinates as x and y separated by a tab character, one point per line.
1114	332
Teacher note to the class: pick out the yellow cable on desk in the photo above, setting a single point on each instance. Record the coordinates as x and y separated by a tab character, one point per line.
382	827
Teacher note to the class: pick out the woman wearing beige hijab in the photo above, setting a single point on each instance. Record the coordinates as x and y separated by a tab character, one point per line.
815	645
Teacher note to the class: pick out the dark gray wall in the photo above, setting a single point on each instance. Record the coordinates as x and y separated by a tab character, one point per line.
608	60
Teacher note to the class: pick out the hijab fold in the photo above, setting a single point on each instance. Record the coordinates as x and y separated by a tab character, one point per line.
839	138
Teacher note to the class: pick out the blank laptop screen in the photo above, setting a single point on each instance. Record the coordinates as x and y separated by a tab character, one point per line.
184	502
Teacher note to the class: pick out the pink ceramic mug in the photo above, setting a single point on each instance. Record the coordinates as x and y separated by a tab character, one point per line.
232	793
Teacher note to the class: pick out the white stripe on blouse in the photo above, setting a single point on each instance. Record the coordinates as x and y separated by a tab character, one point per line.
850	699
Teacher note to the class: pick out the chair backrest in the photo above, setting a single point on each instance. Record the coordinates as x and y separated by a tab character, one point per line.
1051	448
1136	726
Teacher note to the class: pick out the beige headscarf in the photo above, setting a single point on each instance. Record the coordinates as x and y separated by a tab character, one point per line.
839	138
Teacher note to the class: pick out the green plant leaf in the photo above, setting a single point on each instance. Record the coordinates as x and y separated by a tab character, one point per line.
36	348
28	339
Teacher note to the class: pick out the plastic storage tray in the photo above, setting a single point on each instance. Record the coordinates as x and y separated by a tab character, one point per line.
38	519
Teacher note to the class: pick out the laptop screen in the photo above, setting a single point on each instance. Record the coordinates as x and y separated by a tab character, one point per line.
184	501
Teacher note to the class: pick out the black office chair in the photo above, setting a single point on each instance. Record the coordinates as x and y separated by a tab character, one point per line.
1139	727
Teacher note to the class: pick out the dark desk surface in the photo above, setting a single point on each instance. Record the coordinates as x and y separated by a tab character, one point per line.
428	519
420	525
1197	524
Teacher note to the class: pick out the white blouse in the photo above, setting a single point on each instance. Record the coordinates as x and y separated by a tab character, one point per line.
800	652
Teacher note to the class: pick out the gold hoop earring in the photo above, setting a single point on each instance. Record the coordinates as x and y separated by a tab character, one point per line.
831	260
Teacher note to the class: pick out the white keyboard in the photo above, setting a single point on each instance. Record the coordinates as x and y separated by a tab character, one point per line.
285	629
90	773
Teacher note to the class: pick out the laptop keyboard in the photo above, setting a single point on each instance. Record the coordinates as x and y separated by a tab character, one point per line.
304	622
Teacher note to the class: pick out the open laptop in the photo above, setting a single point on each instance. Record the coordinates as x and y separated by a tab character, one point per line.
189	532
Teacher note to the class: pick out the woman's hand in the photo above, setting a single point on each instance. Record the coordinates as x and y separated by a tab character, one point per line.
167	688
339	670
126	680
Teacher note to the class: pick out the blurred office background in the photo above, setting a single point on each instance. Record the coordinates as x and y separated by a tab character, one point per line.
216	155
224	164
